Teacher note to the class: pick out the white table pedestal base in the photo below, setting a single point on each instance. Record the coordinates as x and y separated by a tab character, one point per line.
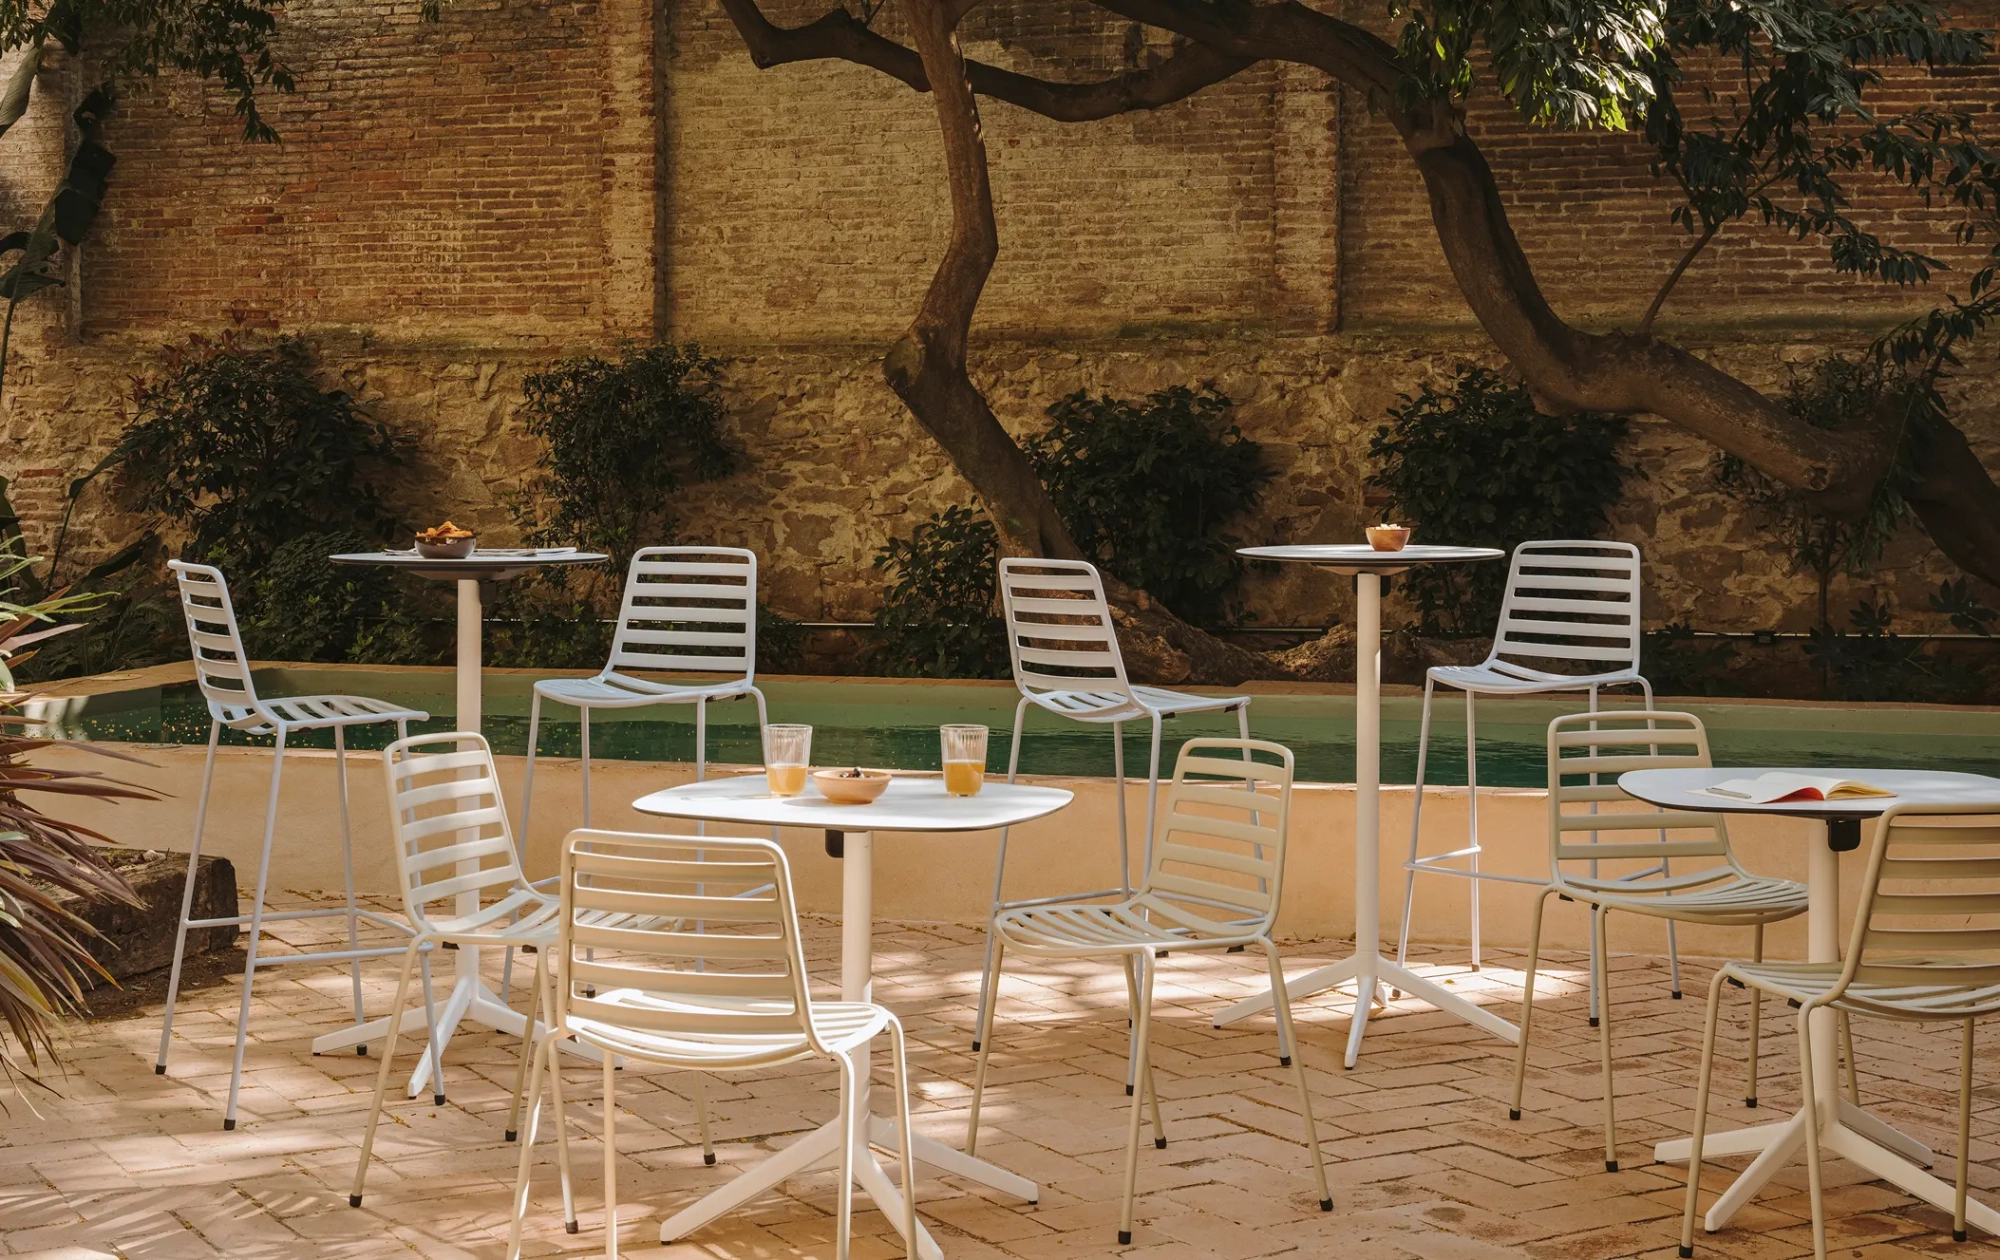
821	1147
1368	973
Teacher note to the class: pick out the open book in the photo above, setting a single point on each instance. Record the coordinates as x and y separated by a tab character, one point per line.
1780	785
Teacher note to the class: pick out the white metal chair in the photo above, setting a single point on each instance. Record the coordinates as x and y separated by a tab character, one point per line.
222	671
462	885
1570	604
1587	751
687	611
1925	947
1064	649
732	998
1213	882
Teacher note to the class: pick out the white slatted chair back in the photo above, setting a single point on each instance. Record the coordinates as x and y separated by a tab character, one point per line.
1587	753
1572	604
449	824
1060	636
689	610
221	666
629	959
1928	925
1220	862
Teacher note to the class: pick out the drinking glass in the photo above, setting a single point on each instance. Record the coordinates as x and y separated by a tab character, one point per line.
964	749
787	753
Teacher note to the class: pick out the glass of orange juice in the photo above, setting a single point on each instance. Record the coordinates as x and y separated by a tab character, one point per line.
964	749
787	753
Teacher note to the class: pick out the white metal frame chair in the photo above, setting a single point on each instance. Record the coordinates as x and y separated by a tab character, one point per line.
222	672
1587	752
461	882
686	611
1213	882
1063	646
734	997
1925	947
1568	603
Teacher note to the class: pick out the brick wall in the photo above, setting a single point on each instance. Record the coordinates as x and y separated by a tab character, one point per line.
455	204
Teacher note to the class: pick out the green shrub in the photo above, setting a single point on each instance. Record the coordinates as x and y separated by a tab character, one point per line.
1477	465
937	618
1148	488
302	608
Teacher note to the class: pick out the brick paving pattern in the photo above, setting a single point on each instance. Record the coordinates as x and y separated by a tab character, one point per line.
1421	1156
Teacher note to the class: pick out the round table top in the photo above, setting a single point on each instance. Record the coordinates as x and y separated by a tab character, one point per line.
1361	558
907	804
490	563
1680	789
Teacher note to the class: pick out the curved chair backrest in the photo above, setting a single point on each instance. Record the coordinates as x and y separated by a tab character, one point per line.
625	962
1060	636
689	609
1587	753
1929	919
1222	839
221	666
1569	602
452	840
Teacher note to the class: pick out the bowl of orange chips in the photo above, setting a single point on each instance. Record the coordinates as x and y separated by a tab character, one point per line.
446	542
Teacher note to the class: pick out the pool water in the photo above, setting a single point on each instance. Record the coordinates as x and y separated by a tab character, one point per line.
891	722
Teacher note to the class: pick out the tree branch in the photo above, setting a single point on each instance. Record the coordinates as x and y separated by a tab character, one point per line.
838	35
1674	276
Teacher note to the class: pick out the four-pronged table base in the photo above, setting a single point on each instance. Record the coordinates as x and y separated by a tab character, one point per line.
1368	973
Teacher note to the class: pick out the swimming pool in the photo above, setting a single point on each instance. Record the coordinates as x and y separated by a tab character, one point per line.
892	722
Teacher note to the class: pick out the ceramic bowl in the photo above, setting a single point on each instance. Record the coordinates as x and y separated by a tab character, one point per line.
842	788
1388	537
450	549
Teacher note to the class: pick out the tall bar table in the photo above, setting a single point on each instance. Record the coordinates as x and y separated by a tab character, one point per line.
470	997
1368	968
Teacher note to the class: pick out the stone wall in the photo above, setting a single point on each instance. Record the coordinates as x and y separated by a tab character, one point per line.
454	205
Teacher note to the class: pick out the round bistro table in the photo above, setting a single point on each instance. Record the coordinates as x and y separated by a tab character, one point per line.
470	997
907	804
1367	968
1845	1129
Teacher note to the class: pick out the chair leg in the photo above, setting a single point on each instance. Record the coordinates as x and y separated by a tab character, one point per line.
610	1157
1000	875
437	1033
583	728
554	1066
1472	815
527	1039
1152	800
1143	1035
1847	1053
187	900
995	953
1756	1014
1813	1181
1964	1134
347	869
1701	1107
1416	828
382	1072
1604	1046
1596	972
1133	965
544	1051
1528	1001
896	1044
528	777
256	931
1281	1005
850	1092
701	1117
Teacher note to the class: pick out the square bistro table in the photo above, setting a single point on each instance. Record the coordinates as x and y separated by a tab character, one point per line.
1845	1129
469	997
907	804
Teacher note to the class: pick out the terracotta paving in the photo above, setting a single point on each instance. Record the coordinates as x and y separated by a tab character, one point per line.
1422	1158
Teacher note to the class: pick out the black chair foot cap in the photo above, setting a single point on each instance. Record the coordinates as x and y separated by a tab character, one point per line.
159	1069
1326	1205
362	1051
437	1100
228	1125
975	1047
354	1200
1513	1113
1958	1235
708	1159
1676	993
1687	1253
1034	1203
1593	1021
1750	1102
1128	1091
1124	1237
1234	949
1610	1165
1284	1060
569	1227
512	1135
1159	1144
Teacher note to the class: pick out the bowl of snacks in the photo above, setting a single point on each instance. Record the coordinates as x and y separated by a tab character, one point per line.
1388	537
446	542
850	787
